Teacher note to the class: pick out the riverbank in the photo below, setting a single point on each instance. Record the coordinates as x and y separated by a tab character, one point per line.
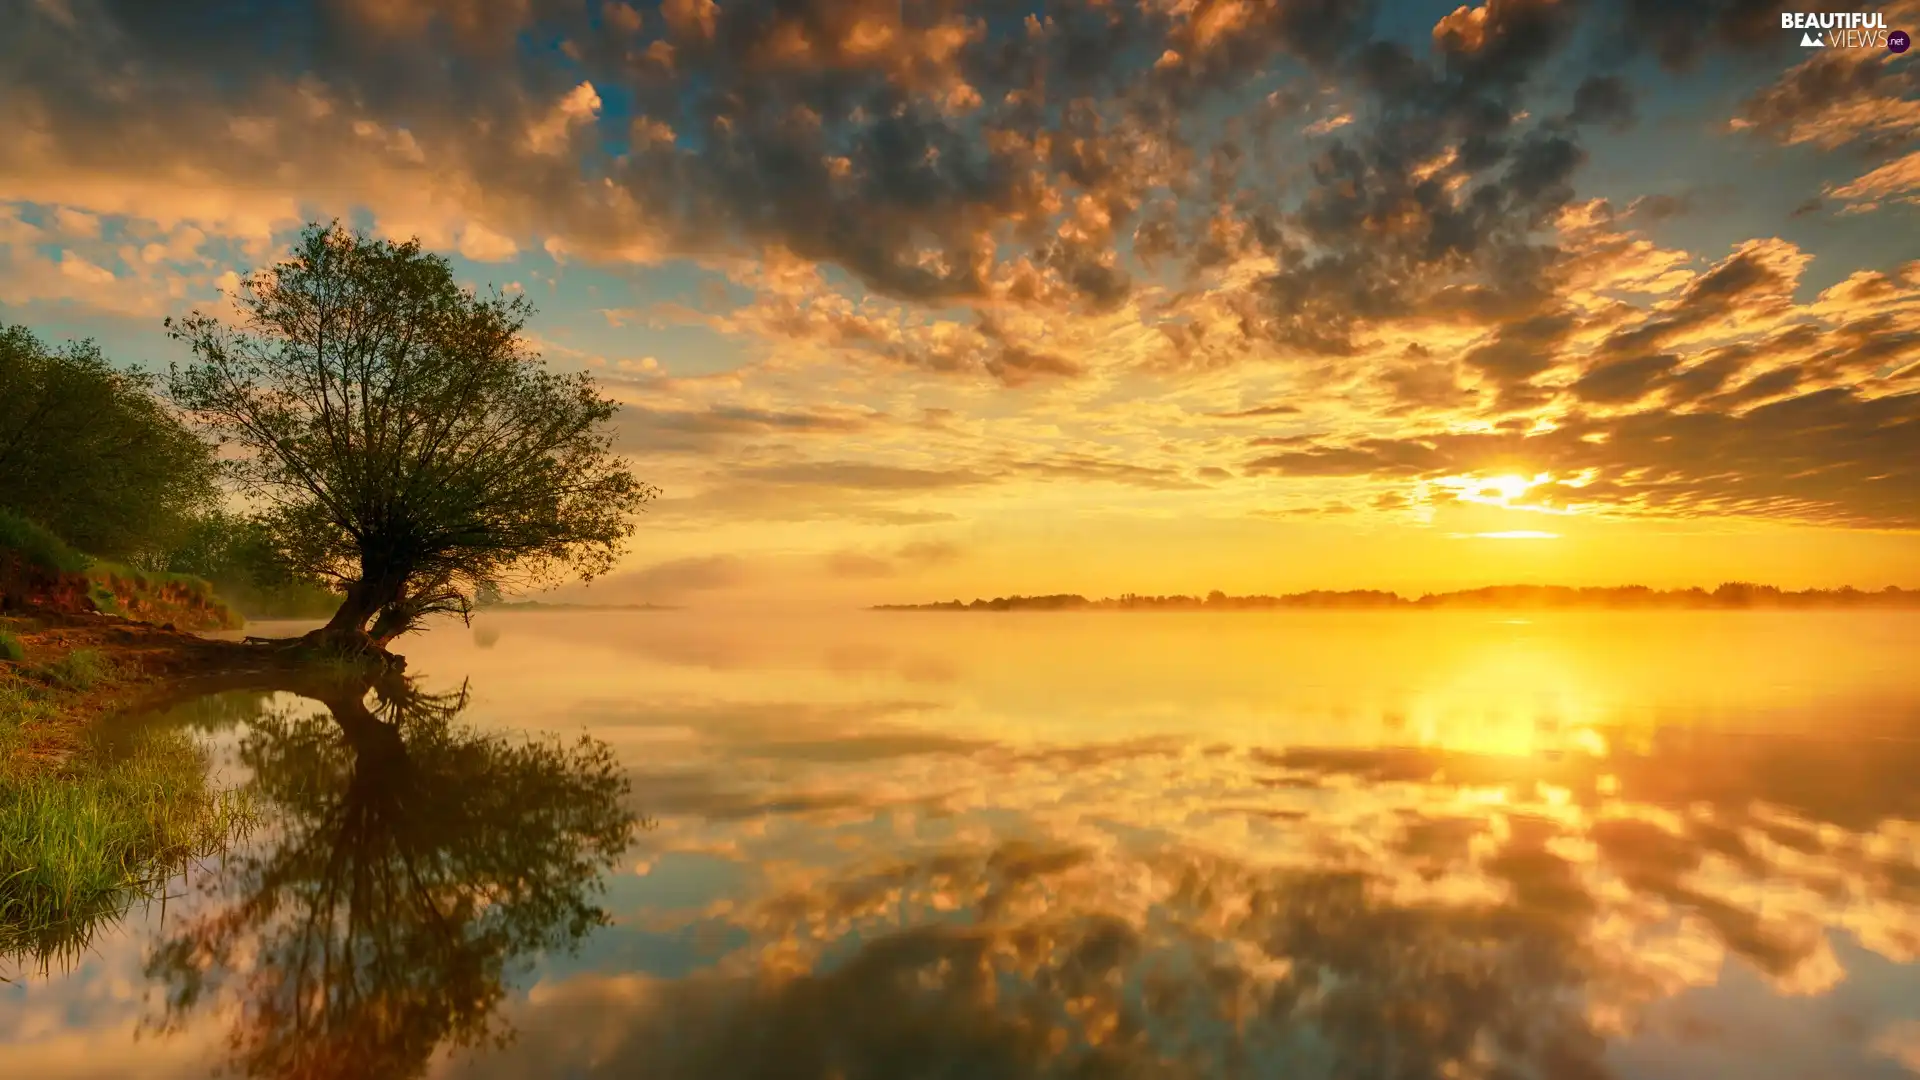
73	668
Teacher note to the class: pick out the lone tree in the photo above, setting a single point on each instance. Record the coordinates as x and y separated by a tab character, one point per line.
406	441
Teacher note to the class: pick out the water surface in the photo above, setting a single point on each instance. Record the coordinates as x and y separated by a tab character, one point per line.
947	845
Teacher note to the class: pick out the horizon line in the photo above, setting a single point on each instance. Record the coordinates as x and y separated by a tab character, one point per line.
1726	594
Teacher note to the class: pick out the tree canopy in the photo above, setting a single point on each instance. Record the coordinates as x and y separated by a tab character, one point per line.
90	453
407	442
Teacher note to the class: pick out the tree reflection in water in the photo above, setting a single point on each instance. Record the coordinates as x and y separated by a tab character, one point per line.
413	866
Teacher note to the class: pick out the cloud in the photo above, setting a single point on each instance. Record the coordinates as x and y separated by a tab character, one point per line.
1280	409
863	477
1603	99
913	556
678	577
1834	98
963	253
1897	179
1679	32
700	430
1829	456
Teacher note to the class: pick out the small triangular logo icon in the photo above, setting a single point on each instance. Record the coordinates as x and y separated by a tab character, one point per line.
1808	41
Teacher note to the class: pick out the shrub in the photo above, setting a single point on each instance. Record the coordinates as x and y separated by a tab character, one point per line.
38	547
10	647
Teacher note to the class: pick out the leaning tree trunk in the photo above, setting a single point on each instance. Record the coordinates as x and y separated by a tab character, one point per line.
346	633
395	619
365	599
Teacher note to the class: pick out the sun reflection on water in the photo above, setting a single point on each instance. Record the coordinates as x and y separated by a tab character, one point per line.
1211	847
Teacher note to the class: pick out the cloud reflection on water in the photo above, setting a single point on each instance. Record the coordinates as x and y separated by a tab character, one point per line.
1548	850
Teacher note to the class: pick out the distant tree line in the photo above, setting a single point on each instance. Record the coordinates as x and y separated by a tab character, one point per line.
1732	594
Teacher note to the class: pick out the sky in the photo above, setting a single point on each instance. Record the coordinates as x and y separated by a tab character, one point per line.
915	300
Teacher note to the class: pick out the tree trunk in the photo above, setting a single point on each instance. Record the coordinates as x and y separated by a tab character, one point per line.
395	619
364	600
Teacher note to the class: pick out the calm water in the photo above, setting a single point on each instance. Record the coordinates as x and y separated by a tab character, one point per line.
1093	845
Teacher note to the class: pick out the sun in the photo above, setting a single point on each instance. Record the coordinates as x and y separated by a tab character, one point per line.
1508	487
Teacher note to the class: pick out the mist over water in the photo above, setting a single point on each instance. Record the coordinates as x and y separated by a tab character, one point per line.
1327	844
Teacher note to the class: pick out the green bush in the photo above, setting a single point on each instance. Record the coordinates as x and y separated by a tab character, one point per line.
10	647
90	452
103	598
38	546
237	555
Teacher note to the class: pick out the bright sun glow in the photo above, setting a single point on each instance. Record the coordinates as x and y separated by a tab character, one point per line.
1516	534
1508	488
1508	491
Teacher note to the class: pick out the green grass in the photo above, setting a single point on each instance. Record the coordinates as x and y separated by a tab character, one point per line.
81	669
10	648
77	851
103	829
20	704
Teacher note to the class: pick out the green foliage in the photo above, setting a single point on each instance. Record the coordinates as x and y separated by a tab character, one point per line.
10	647
81	669
237	555
39	547
120	575
113	587
407	443
103	598
88	452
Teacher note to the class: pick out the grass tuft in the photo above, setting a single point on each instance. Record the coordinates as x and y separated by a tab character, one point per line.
81	669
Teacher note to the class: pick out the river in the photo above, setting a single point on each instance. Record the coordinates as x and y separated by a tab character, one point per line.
874	845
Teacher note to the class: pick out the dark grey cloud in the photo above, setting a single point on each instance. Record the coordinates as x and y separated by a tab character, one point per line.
858	566
1277	409
1753	280
1089	467
1653	209
1368	457
1435	208
918	145
1678	33
1604	100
